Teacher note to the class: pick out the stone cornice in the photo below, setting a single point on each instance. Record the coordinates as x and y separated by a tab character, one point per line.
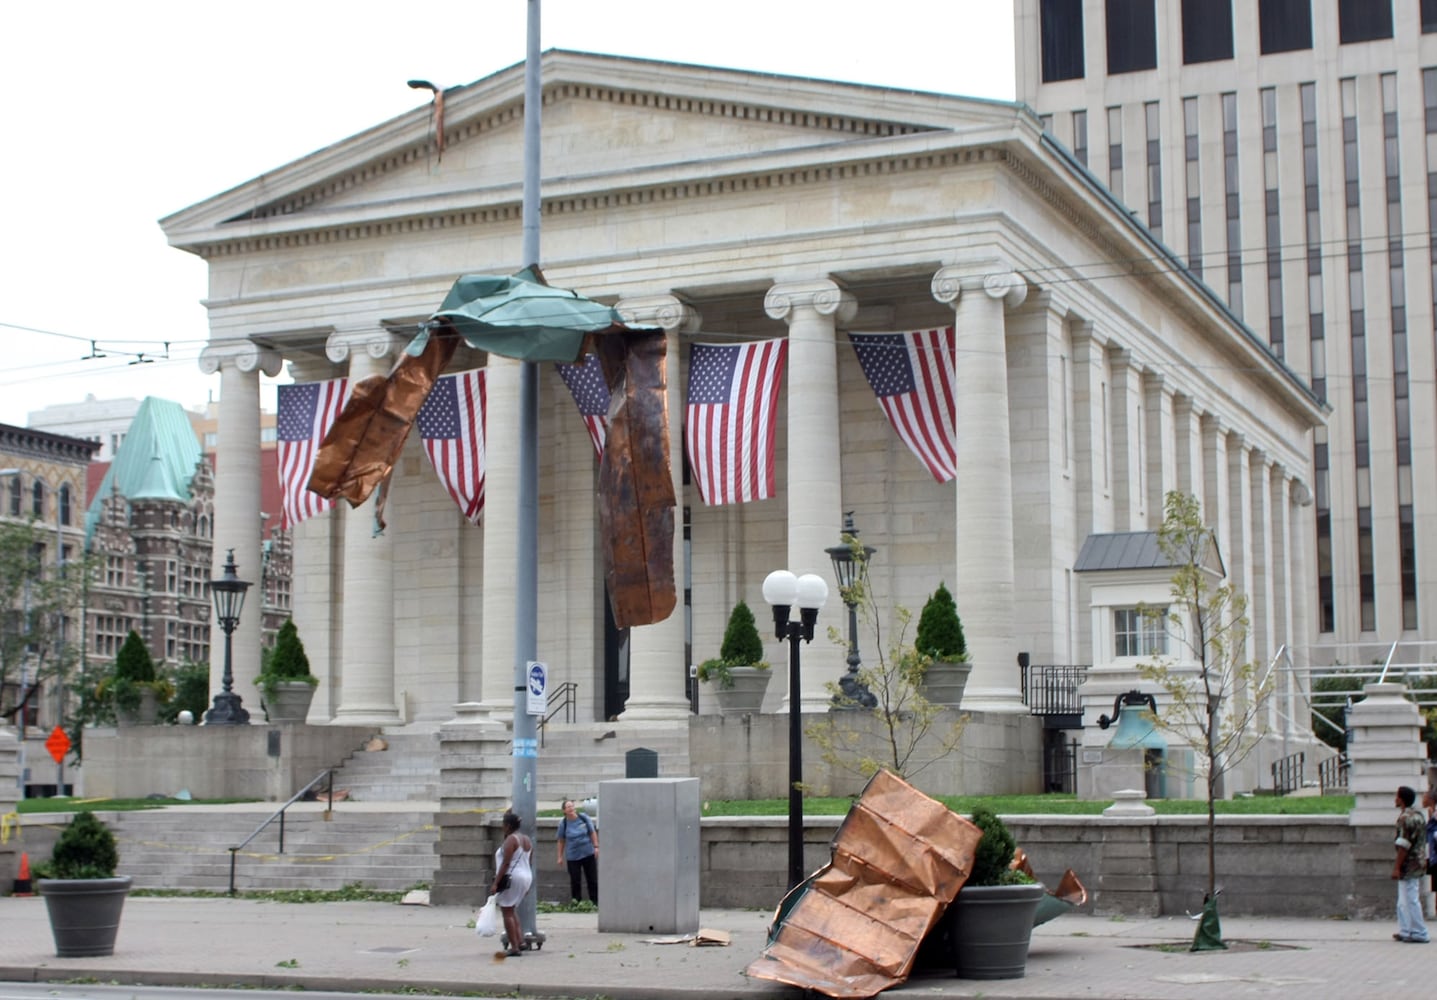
22	442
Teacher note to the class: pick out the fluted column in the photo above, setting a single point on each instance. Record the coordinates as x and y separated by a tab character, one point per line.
813	310
1239	547
366	694
1260	598
1126	479
657	665
1187	438
1090	449
1159	460
499	595
983	583
237	501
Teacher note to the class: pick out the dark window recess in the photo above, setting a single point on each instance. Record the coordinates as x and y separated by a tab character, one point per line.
1132	36
1284	25
1207	30
1429	16
1363	20
1061	22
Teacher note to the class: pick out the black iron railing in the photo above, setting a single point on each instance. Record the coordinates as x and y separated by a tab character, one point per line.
1287	773
565	699
326	776
1332	774
1052	688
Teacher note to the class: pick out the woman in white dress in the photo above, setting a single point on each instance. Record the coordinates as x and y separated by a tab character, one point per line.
512	861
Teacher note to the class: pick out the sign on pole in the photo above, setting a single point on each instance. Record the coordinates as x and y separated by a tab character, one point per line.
538	693
58	744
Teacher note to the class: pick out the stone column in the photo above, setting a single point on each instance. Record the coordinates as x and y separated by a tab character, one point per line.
1187	437
1159	461
1126	478
1260	597
1285	678
1386	751
1090	454
1214	483
812	310
983	586
501	525
366	694
657	665
1236	551
237	503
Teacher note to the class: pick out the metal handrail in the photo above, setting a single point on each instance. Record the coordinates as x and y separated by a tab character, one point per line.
279	814
567	694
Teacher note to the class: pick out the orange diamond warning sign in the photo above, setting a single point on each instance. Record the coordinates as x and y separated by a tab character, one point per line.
58	744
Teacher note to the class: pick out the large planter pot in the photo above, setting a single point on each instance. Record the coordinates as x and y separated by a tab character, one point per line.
147	713
745	696
289	702
84	913
987	930
943	682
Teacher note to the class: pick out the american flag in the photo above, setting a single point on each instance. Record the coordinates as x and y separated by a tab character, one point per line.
306	412
451	425
912	376
591	392
733	391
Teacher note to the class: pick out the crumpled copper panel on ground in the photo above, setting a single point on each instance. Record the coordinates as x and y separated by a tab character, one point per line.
636	486
853	928
360	449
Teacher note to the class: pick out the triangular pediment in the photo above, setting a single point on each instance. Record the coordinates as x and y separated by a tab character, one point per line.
607	121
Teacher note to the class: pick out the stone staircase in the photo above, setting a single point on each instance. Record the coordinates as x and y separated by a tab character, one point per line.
382	835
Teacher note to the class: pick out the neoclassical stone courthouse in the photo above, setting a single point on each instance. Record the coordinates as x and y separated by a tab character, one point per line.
1094	373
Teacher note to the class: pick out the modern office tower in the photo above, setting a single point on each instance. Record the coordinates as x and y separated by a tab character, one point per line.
1286	150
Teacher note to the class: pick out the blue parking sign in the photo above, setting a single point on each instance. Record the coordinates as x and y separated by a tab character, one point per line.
538	688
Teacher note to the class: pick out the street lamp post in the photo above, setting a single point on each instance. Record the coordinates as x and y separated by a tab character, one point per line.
850	564
228	591
783	590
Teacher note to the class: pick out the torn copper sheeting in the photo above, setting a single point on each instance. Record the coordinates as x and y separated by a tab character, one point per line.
636	487
366	438
1070	890
853	928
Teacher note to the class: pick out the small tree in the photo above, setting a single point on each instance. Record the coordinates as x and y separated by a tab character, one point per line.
85	849
912	732
1222	701
285	662
940	633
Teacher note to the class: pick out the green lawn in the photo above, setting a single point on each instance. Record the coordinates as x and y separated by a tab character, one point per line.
68	805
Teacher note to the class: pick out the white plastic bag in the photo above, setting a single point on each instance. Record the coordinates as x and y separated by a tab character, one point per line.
489	922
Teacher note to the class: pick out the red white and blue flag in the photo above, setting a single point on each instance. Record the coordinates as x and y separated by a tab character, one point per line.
732	396
306	412
451	425
912	376
591	393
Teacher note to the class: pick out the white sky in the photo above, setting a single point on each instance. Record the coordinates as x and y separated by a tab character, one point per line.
116	115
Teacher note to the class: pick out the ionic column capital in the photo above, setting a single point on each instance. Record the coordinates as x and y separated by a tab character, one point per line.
378	344
998	281
242	355
668	312
822	295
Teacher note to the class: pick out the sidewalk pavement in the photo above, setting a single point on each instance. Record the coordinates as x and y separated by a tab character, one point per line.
351	947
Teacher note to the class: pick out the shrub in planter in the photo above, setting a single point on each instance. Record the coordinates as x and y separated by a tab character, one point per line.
133	681
286	662
83	896
741	647
940	633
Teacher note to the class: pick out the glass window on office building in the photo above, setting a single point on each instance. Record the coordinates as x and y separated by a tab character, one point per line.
1192	178
1115	151
1232	200
1153	128
1060	24
1363	20
1080	137
1132	36
1284	25
1429	16
1207	30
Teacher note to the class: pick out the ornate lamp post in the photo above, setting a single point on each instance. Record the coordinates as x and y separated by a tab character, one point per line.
783	590
849	563
228	591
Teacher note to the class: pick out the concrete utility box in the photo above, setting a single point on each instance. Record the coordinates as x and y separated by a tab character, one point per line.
649	864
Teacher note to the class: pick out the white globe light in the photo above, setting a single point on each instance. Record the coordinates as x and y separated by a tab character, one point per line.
780	587
812	591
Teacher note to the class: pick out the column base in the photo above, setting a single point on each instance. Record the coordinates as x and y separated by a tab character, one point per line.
999	700
655	711
367	717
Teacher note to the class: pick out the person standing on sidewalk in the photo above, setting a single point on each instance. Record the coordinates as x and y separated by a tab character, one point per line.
513	875
579	849
1429	803
1410	866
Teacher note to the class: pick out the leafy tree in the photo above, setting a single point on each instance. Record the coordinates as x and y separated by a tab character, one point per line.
39	611
192	692
902	731
1219	705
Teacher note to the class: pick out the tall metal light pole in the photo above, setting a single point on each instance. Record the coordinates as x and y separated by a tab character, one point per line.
783	590
228	591
526	615
850	566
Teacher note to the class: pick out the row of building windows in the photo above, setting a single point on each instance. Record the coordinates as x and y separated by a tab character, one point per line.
38	495
1207	31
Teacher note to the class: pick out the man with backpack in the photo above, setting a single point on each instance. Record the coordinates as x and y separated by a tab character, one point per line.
579	849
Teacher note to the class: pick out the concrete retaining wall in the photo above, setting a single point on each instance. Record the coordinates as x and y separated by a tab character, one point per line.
265	762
